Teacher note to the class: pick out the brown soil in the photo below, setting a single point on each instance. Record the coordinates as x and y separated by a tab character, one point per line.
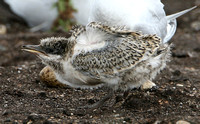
24	98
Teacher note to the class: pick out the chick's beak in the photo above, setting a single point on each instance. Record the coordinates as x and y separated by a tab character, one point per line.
36	49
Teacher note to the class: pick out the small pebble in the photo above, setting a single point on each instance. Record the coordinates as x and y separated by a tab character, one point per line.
3	48
196	26
117	115
179	85
182	122
3	29
148	85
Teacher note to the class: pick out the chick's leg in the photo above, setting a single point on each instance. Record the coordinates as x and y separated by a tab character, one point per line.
100	102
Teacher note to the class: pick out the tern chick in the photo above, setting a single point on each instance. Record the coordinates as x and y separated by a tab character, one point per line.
99	55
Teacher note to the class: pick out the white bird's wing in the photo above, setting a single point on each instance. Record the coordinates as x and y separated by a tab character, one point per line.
147	16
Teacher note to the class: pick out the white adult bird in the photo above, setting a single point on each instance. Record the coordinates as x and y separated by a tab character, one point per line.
83	8
39	14
147	16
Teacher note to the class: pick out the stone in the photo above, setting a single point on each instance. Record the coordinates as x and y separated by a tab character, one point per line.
3	29
182	122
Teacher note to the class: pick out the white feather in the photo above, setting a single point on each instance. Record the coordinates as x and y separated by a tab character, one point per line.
147	16
83	10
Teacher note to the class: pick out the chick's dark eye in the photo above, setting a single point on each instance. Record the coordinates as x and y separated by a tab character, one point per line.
49	50
58	45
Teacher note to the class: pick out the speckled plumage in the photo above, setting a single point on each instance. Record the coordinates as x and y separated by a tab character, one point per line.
123	60
98	55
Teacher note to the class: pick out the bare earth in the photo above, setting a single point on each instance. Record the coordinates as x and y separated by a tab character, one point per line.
24	98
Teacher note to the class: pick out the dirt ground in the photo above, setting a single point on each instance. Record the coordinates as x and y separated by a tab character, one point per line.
25	99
